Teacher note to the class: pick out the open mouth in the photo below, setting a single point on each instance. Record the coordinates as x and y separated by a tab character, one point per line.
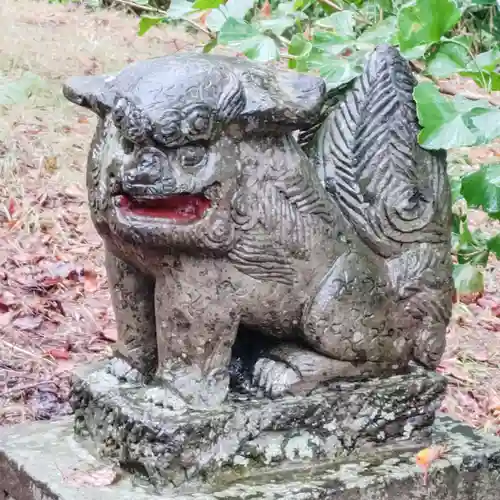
178	207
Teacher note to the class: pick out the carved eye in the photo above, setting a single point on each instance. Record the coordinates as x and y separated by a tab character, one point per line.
197	122
191	156
119	112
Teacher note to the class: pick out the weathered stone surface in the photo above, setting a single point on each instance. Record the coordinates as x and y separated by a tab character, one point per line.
173	446
36	461
216	221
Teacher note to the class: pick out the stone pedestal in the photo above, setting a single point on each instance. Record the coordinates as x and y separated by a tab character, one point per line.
37	460
171	447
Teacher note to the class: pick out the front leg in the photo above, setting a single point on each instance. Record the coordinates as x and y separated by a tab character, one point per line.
132	295
197	322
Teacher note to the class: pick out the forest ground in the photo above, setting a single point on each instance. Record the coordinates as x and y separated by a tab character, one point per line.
54	304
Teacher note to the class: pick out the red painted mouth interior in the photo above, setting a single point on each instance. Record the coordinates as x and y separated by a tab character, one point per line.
180	207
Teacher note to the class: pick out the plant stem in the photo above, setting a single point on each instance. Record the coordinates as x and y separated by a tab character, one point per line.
283	40
148	8
460	44
331	4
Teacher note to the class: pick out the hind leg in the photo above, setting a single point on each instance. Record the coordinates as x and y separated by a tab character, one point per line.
349	328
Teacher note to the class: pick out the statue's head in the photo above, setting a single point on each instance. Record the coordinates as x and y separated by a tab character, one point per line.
165	162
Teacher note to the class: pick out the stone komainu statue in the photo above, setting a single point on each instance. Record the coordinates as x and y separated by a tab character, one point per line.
215	220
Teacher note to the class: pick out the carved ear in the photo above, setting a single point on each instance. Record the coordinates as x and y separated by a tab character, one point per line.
283	99
306	92
92	92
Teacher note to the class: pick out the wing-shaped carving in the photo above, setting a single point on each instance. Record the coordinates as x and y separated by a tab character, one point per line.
393	192
278	210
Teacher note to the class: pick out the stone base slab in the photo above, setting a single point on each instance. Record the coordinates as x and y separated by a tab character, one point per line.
37	460
170	447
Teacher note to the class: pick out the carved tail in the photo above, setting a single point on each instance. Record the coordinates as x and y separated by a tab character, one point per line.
390	190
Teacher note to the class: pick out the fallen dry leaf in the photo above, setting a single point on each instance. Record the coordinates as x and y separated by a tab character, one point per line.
59	354
6	318
28	323
90	280
74	191
426	457
203	17
12	207
103	476
266	9
50	164
110	334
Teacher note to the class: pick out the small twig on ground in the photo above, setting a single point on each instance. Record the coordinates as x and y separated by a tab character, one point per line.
148	8
23	351
24	387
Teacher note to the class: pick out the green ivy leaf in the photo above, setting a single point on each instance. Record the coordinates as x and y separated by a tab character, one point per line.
276	25
178	9
483	70
208	47
449	58
469	279
236	9
147	22
417	52
382	32
330	43
481	189
302	4
261	48
488	125
487	60
385	5
234	31
207	4
341	23
493	245
426	21
470	247
283	18
456	187
299	46
337	72
486	79
247	39
443	125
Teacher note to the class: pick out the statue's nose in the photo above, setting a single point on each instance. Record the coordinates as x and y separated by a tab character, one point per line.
149	174
147	170
144	176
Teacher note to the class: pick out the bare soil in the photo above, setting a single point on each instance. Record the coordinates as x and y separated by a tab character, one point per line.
54	304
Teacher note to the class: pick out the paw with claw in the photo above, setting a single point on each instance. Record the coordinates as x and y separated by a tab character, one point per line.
274	378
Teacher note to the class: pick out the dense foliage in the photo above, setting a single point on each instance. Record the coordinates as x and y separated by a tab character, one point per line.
441	38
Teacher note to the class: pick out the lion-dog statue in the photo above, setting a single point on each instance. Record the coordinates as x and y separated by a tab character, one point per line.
215	220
